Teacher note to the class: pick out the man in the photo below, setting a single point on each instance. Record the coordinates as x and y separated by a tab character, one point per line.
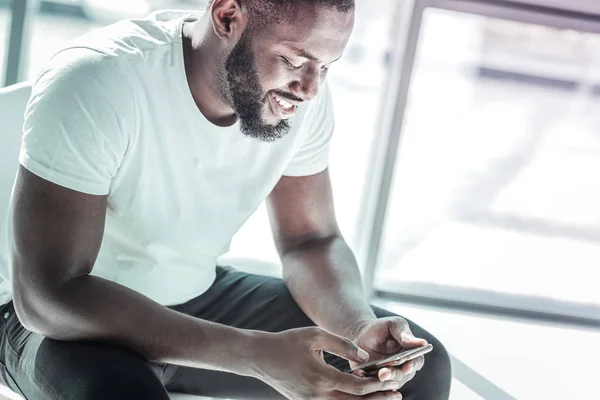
146	146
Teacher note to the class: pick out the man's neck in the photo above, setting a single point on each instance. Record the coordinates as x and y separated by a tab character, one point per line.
202	69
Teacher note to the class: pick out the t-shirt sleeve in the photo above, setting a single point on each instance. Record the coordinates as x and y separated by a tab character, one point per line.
313	155
76	122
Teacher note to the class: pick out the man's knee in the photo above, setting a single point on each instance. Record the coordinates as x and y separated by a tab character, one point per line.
439	364
91	371
114	386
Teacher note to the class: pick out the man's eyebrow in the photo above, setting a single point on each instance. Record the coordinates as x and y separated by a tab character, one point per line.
307	55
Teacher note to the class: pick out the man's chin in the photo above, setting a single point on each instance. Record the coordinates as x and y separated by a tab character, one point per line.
265	131
268	119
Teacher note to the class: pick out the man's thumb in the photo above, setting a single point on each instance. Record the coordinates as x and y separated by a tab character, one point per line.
342	347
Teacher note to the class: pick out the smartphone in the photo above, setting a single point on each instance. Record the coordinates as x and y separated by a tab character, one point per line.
394	360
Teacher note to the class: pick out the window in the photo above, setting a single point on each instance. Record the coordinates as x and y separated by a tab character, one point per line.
4	32
496	188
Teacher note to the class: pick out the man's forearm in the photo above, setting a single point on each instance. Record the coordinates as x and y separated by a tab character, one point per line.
91	308
325	281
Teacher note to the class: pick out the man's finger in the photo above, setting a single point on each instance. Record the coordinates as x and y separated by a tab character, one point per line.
420	362
413	365
374	396
341	347
402	333
387	374
354	385
393	374
400	373
360	373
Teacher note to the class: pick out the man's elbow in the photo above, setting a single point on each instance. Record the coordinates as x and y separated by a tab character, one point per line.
32	311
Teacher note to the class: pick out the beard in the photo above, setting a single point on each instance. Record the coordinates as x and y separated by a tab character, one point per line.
246	97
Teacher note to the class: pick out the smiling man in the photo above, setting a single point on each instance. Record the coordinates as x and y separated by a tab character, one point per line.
146	146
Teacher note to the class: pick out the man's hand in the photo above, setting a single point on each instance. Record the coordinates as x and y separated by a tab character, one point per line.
292	363
385	337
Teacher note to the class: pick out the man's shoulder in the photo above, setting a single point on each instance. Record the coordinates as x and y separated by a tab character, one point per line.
125	42
79	84
109	56
76	69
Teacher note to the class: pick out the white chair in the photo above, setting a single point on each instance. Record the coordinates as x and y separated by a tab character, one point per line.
13	100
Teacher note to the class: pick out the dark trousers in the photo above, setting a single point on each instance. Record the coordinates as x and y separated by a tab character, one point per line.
44	369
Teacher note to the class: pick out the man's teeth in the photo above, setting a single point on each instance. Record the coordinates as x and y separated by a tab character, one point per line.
283	103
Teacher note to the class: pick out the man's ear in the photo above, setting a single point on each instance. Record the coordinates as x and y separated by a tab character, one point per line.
228	19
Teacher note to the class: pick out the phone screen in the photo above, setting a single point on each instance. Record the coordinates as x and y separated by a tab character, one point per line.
394	360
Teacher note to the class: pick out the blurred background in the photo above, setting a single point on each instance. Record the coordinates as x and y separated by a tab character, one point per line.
465	168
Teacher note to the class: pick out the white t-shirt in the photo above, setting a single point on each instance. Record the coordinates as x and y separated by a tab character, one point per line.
114	115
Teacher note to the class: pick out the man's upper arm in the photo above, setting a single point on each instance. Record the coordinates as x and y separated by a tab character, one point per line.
301	209
57	234
76	133
79	121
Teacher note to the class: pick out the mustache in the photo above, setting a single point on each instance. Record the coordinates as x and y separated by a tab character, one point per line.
287	96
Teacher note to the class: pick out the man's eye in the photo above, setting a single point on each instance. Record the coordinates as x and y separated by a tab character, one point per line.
289	64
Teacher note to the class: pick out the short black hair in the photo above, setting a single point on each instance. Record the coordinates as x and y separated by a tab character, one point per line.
274	11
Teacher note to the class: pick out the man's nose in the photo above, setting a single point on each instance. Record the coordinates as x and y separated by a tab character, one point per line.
307	87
